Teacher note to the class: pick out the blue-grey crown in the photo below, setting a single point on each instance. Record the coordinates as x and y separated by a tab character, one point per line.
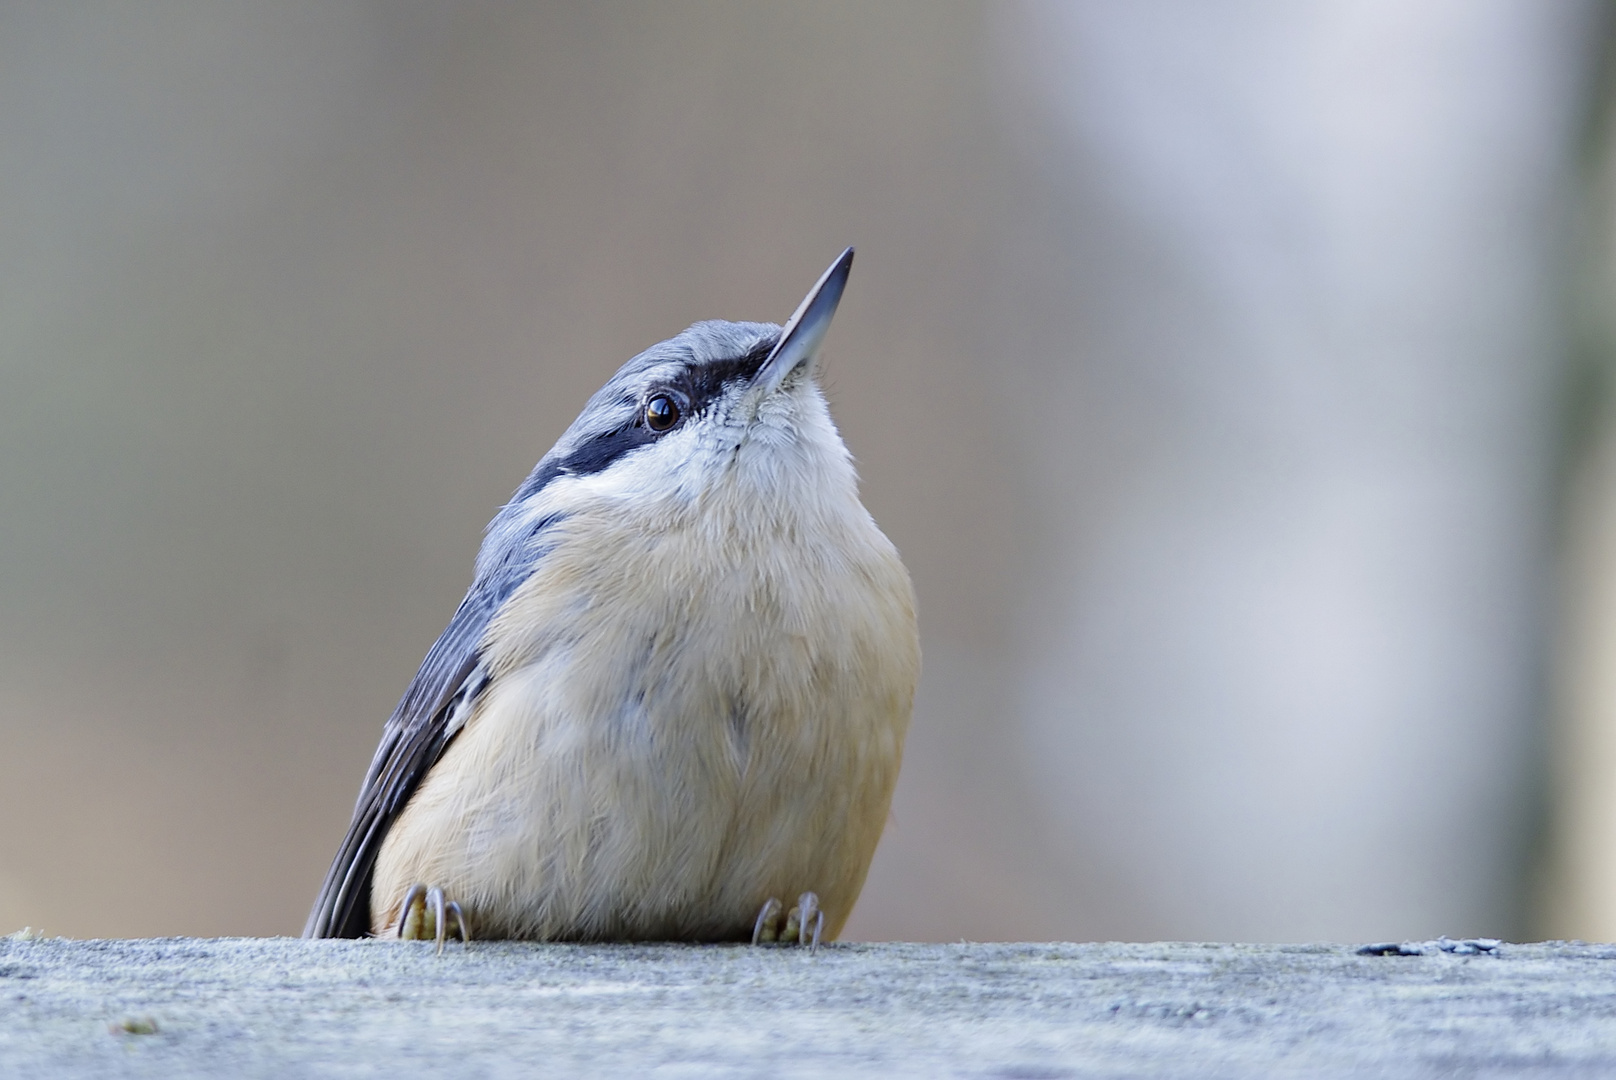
699	363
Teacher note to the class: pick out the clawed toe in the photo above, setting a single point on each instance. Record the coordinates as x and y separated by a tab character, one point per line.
766	930
803	923
426	915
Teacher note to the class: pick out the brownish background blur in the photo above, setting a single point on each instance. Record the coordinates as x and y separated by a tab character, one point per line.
292	296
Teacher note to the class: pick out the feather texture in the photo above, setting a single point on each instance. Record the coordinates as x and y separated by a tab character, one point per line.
679	684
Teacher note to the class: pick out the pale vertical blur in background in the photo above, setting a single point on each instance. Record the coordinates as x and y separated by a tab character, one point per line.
1234	378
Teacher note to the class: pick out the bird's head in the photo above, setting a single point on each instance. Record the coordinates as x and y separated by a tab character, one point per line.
725	411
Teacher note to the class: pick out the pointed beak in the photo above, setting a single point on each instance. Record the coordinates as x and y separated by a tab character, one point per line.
799	341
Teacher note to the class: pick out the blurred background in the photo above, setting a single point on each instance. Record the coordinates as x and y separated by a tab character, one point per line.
1235	379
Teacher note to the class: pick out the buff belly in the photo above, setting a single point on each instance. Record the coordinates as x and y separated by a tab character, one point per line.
660	773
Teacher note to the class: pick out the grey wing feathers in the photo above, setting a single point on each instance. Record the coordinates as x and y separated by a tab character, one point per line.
431	713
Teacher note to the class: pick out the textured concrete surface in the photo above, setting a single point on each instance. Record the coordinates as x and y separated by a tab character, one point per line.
282	1007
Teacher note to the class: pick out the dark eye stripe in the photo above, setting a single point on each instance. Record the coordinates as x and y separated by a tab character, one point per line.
706	382
591	457
601	451
701	385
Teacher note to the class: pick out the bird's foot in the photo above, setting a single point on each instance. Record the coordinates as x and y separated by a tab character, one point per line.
426	915
803	923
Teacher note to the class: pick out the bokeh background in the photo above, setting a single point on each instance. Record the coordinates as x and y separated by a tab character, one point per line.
1234	377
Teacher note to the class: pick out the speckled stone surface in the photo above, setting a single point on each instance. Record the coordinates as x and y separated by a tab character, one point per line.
282	1007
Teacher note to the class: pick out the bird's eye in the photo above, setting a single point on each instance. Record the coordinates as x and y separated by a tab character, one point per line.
661	413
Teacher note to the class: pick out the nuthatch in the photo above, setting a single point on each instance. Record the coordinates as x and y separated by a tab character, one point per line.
677	689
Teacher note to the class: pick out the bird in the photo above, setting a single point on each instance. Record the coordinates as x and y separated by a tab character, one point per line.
672	704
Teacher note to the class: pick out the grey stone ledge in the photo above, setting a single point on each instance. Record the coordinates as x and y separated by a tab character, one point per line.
182	1007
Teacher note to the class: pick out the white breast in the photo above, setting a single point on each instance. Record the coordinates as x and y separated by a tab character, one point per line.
695	706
